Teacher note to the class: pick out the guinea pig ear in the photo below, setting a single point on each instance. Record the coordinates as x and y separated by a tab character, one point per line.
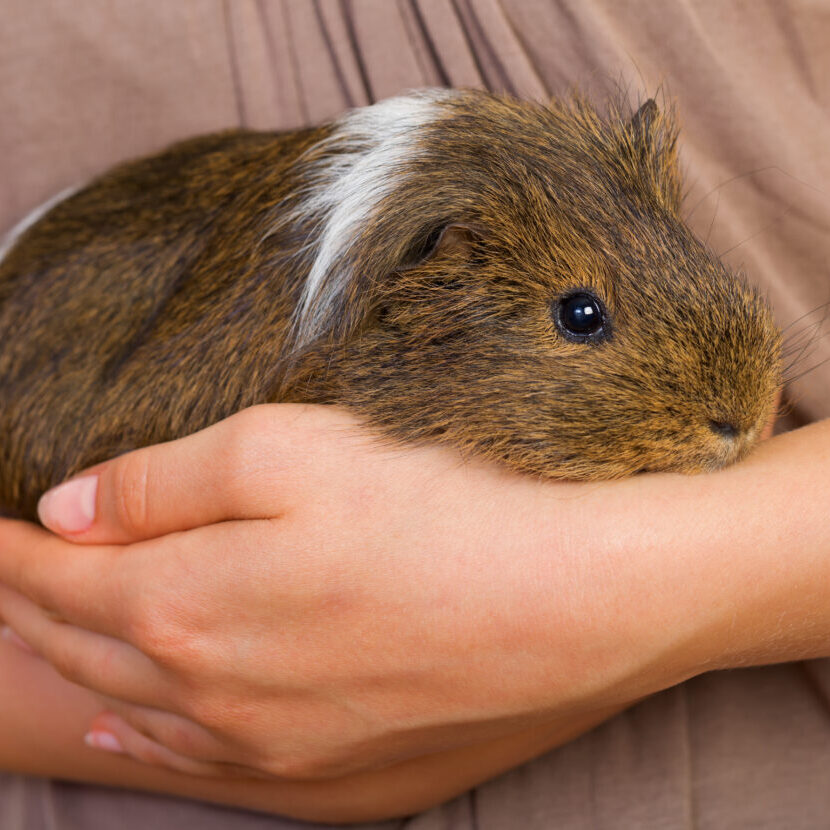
441	241
651	142
642	120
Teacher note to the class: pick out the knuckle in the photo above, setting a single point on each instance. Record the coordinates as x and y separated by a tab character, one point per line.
205	711
253	440
253	423
153	747
268	429
180	738
154	632
94	669
156	756
247	436
146	752
36	582
131	492
217	714
160	633
66	666
160	740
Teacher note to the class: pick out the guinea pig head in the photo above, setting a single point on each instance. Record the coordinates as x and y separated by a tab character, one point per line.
515	279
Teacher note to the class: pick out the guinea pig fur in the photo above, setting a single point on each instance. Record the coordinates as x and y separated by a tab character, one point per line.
511	278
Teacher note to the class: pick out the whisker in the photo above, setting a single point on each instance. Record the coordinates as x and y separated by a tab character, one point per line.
800	358
785	408
803	338
766	227
794	399
756	171
797	342
807	349
806	314
714	216
806	371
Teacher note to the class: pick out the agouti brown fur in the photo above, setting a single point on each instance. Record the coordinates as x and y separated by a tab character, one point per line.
413	262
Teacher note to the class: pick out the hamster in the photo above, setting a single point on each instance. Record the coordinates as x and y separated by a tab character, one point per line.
511	278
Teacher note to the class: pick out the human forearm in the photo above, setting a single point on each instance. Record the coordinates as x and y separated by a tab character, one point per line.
734	567
43	719
458	604
776	571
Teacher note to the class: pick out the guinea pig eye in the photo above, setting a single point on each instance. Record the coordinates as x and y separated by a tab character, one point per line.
580	316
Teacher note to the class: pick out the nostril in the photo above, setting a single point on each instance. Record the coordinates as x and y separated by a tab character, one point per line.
723	428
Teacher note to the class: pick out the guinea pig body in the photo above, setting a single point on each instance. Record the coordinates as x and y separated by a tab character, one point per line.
509	277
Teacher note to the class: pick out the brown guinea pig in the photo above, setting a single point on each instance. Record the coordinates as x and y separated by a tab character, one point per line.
508	277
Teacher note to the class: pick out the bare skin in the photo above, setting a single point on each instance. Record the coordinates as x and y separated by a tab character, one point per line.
481	668
43	719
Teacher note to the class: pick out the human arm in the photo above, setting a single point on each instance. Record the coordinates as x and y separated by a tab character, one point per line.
596	591
43	718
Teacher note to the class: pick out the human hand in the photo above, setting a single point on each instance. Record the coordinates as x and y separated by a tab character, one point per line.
307	603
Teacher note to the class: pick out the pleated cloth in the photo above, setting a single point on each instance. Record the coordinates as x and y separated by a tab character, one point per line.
86	83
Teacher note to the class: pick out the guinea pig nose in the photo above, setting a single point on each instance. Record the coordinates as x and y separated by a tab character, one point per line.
723	428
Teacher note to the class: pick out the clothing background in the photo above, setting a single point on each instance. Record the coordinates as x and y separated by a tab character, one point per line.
87	83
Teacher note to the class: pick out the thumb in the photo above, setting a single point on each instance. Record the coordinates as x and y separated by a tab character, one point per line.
231	470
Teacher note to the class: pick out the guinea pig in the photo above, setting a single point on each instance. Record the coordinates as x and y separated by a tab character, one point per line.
511	278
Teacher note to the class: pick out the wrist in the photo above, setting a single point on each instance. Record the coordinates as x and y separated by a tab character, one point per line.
597	599
778	576
739	559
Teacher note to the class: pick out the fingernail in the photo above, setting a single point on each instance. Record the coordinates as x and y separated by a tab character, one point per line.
15	639
103	740
69	507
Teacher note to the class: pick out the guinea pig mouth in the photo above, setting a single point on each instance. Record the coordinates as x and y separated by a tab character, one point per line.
702	454
731	446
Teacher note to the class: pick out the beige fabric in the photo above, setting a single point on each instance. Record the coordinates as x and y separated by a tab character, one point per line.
85	83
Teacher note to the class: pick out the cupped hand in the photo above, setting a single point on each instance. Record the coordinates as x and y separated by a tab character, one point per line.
282	593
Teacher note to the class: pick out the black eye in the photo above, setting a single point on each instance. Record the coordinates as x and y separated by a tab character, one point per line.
580	316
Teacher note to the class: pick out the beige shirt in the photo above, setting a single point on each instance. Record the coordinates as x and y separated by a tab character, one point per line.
86	83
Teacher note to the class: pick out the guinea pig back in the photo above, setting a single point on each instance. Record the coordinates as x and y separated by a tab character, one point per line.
508	277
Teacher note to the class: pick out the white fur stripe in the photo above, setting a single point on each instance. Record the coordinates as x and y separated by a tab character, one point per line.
35	216
370	148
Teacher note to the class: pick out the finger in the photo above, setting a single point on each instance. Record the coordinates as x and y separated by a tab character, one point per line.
235	469
102	664
163	740
115	735
149	594
78	584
